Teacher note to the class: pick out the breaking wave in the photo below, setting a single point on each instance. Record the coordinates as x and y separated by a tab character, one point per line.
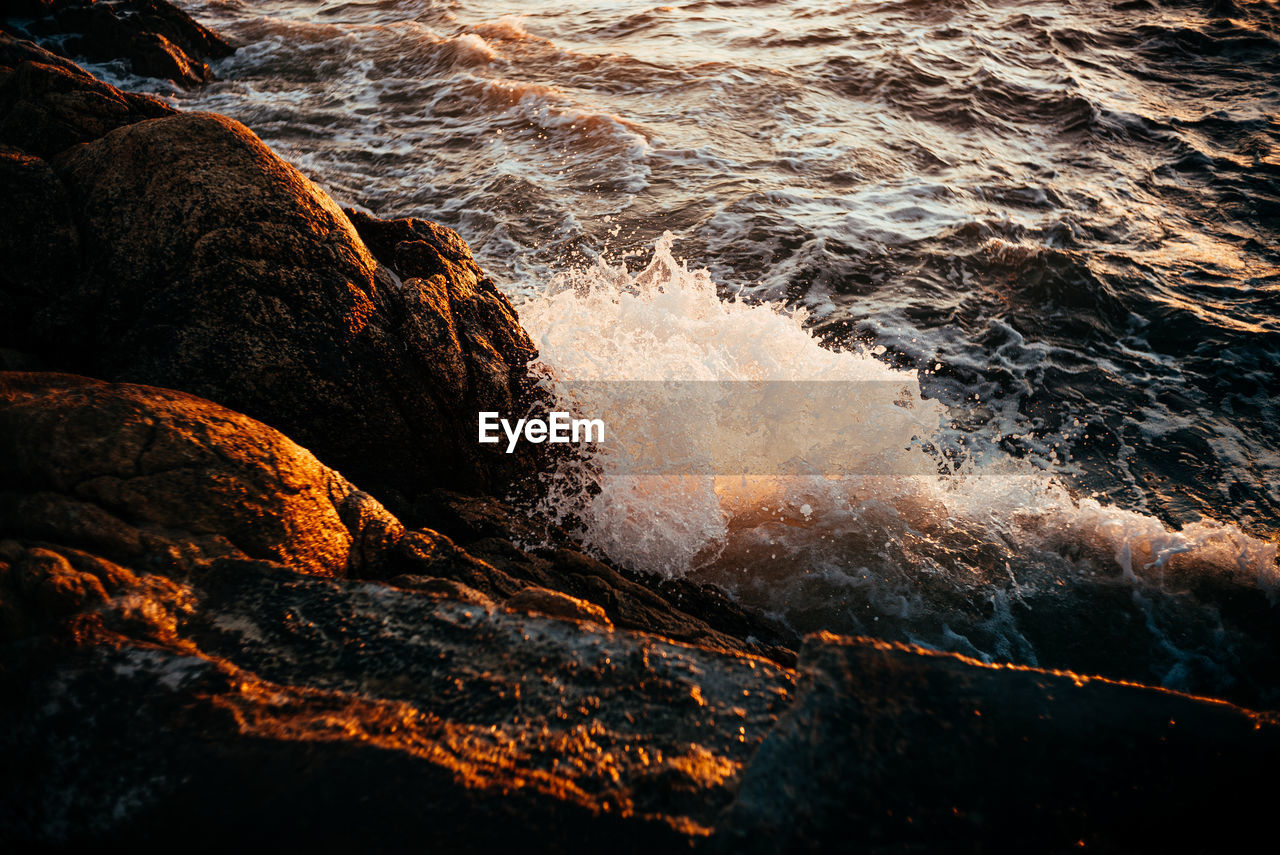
876	515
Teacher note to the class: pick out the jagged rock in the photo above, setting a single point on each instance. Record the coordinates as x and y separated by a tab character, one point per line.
158	39
894	748
488	529
208	264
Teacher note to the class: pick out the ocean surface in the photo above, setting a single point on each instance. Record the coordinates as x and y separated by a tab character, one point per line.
1050	231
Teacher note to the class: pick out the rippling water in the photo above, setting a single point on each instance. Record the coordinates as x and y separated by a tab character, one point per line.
1060	219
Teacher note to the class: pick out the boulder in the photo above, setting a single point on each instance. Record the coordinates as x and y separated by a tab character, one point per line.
190	256
156	38
162	481
48	104
890	747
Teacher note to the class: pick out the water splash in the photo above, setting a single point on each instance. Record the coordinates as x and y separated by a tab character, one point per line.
603	325
898	532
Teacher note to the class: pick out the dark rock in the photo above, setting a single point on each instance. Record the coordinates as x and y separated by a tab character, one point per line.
489	529
292	710
156	56
207	264
48	104
157	38
893	748
429	553
414	248
56	588
39	246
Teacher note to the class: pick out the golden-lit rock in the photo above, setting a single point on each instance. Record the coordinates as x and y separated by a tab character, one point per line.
147	477
385	716
542	601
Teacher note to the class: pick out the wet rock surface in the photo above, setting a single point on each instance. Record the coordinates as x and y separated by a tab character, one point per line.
155	38
301	711
168	634
893	748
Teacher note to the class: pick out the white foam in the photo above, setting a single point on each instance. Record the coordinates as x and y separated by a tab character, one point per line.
667	322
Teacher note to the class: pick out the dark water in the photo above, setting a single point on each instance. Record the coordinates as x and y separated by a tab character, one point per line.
1060	219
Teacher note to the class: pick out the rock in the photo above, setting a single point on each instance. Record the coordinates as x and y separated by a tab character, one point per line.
294	710
543	601
445	589
415	248
209	265
430	553
156	56
57	588
39	245
48	104
163	481
490	529
894	748
166	662
157	38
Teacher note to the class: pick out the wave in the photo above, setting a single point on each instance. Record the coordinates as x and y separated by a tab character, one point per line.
907	525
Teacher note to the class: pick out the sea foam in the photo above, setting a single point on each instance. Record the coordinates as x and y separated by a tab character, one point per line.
886	502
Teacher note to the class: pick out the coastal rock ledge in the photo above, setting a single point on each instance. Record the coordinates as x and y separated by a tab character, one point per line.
259	587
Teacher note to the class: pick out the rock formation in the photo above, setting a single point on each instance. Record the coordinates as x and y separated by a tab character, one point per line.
890	747
157	38
188	255
158	552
